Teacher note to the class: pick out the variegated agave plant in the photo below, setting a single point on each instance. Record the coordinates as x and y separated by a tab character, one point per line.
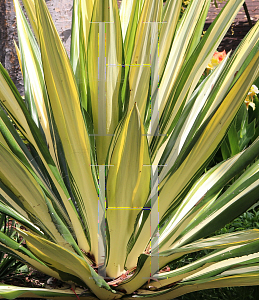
109	178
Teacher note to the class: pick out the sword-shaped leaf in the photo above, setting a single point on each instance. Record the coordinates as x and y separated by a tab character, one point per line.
105	59
128	186
68	264
64	99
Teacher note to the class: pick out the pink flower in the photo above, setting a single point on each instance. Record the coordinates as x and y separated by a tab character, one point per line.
216	59
220	55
